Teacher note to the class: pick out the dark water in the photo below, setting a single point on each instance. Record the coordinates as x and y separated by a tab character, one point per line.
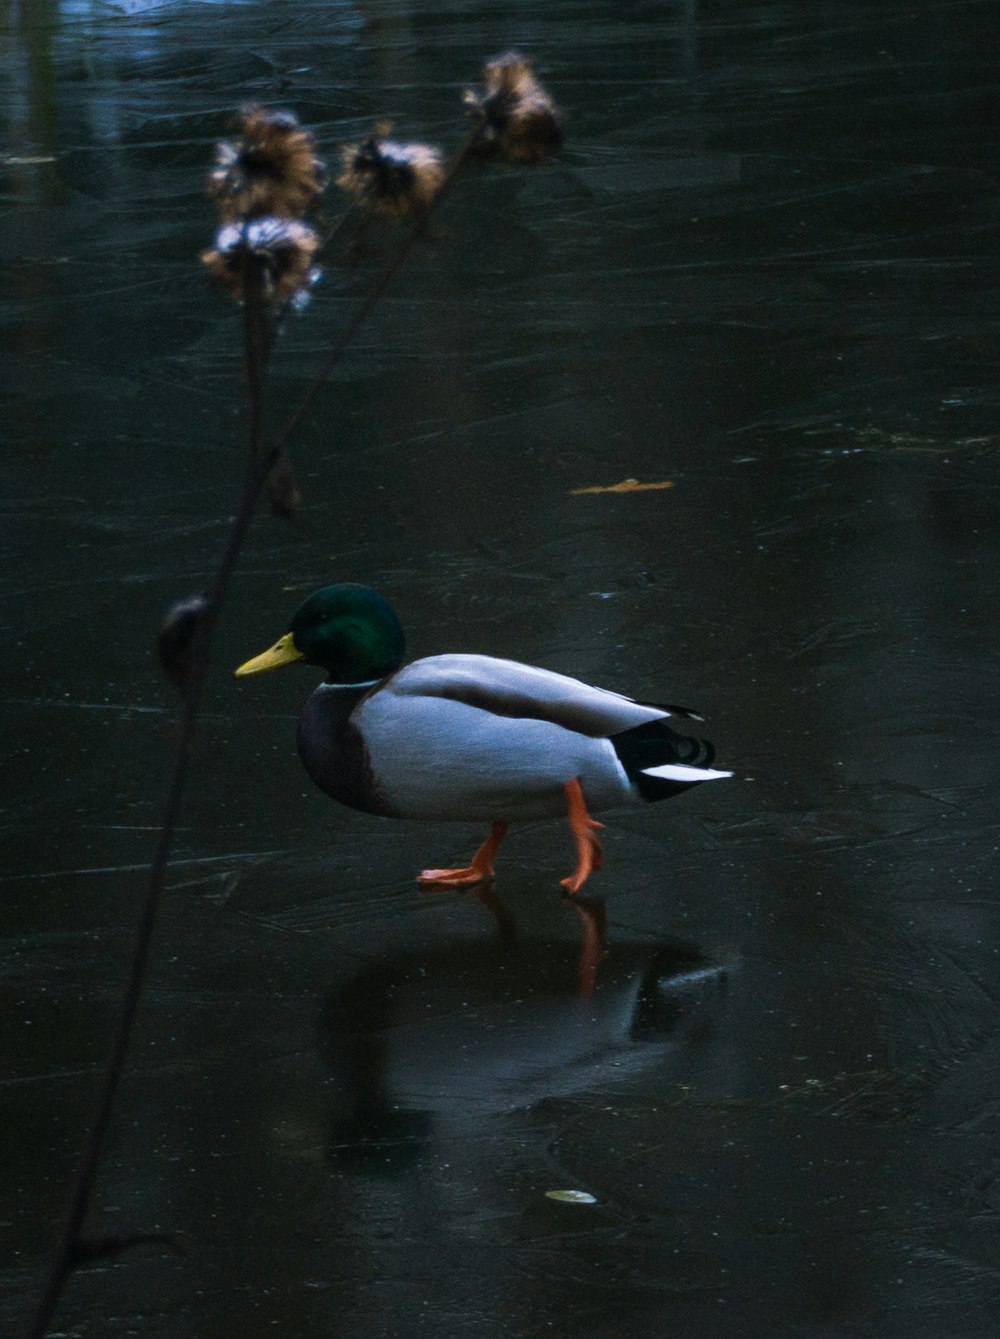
766	270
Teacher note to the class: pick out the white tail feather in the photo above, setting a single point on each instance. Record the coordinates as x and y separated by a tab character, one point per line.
675	771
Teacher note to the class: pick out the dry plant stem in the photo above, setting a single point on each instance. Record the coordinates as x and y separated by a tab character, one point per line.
258	338
377	292
334	228
71	1234
67	1248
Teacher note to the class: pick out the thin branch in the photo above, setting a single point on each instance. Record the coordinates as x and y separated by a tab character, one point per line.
258	340
370	301
68	1248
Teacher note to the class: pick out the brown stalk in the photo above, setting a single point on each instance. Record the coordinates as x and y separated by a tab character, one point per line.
370	301
258	334
71	1246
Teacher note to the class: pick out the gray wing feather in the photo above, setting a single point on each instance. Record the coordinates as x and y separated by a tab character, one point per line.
508	688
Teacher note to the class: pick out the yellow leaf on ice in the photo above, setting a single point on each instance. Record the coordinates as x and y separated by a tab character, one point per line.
626	486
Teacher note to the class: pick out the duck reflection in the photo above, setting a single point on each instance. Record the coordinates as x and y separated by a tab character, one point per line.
485	1025
593	914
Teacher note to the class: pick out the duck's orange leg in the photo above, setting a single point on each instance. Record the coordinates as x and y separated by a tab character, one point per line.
589	856
478	871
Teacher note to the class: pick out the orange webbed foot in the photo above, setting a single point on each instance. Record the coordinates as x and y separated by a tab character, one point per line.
480	870
589	853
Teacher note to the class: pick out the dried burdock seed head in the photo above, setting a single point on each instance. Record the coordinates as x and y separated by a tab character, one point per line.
389	177
272	168
282	251
512	115
175	638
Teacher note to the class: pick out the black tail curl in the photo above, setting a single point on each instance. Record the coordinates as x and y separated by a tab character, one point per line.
652	745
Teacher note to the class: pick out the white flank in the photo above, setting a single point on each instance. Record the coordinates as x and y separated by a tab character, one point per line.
675	771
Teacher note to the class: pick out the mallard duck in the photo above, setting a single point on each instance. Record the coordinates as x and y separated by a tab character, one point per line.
471	737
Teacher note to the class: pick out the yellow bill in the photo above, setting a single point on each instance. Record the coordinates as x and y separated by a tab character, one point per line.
283	652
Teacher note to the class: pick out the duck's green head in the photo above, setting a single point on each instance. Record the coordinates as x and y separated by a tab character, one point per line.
348	630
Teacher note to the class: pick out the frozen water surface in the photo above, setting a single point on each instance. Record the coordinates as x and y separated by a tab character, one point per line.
764	270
